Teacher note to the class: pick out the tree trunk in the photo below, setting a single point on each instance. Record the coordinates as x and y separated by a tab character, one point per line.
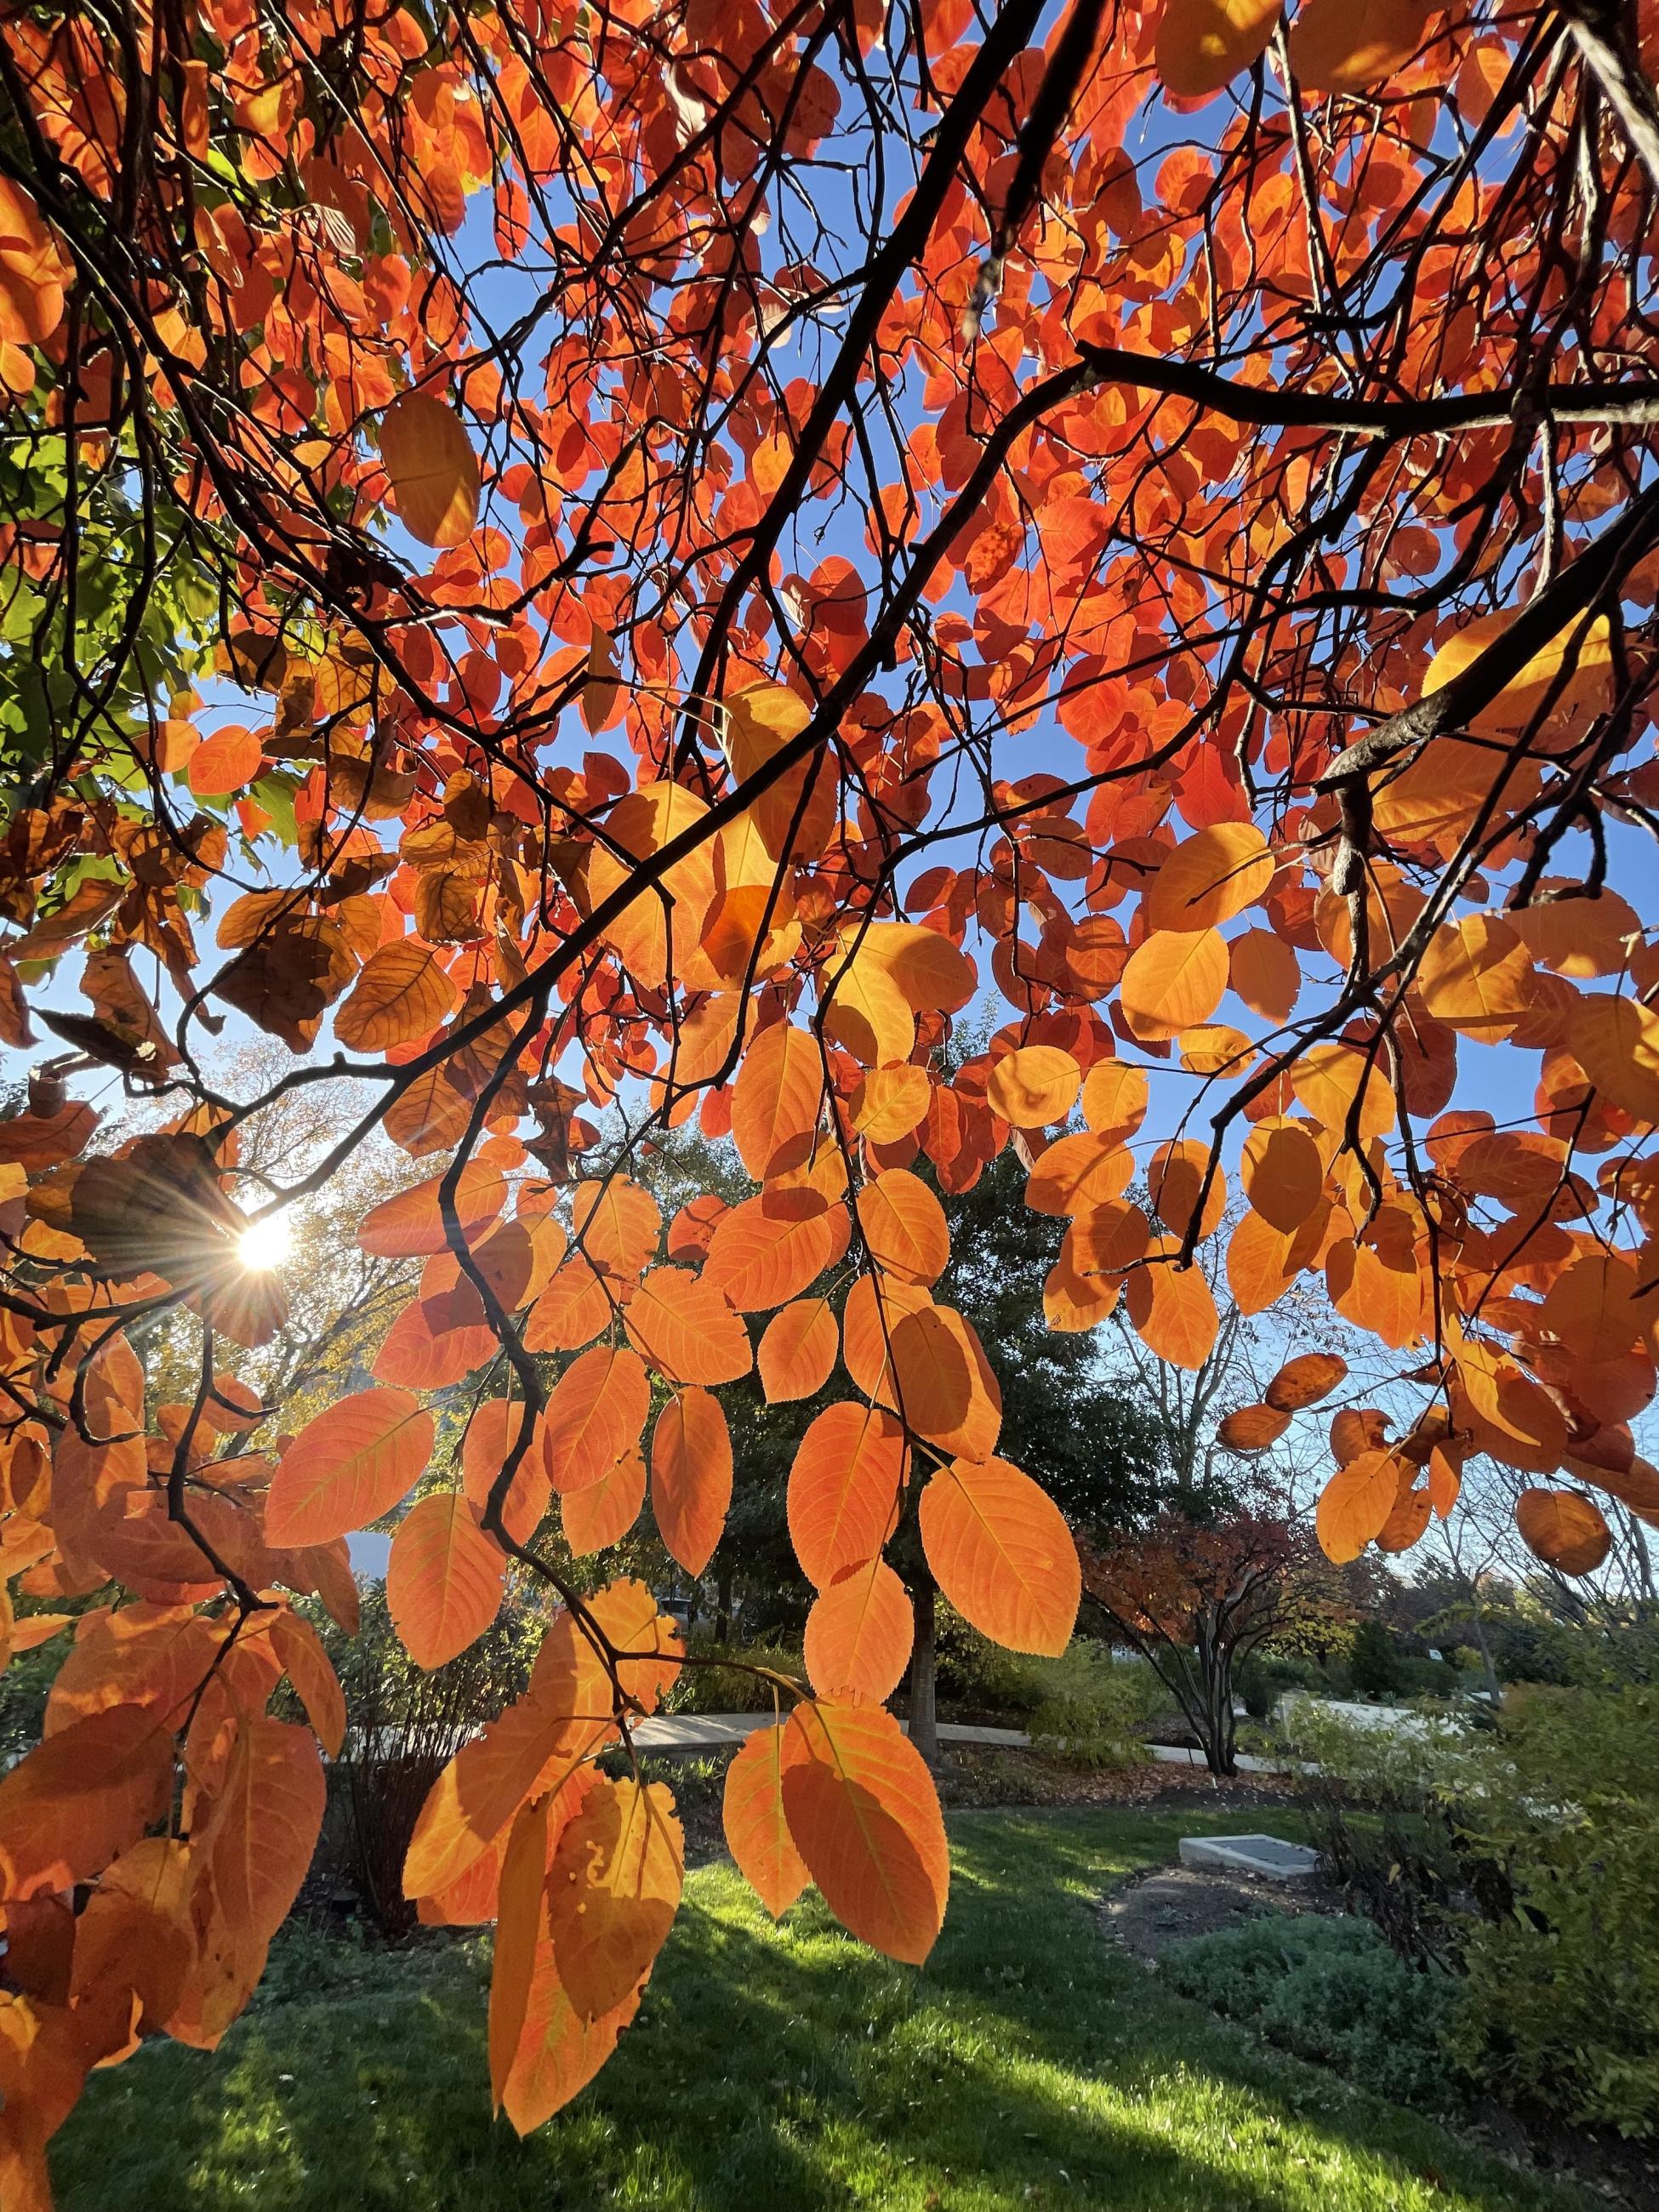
723	1595
1480	1626
924	1712
1216	1730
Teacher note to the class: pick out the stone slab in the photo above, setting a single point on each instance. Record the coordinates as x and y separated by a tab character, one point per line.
1269	1858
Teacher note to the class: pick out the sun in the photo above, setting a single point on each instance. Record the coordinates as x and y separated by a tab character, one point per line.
266	1242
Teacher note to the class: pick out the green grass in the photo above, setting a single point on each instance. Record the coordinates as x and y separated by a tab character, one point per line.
789	2069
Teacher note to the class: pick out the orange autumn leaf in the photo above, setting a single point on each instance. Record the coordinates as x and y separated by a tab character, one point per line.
564	1717
519	1922
1355	1503
612	1890
1304	1380
776	1100
74	1801
615	1225
311	1670
1253	1428
1283	1173
767	1249
686	1330
491	1434
691	1476
942	1384
864	1814
411	1224
904	1226
444	1578
756	1825
229	761
402	995
264	1826
1263	971
798	1351
858	1634
1340	47
1562	1529
844	1491
603	1513
349	1467
1213	874
1174	1311
35	270
1000	1551
594	1412
432	469
1034	1085
1173	982
1203	44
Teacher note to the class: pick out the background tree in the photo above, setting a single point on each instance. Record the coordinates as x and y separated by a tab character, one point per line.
1196	1598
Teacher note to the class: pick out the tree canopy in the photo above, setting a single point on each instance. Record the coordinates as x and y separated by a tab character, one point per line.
646	554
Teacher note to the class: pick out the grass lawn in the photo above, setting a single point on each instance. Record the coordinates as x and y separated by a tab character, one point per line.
787	2069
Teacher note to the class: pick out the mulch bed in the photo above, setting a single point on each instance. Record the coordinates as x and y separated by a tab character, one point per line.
1167	1904
982	1776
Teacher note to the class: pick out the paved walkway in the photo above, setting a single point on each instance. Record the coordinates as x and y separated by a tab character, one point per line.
685	1734
1171	1754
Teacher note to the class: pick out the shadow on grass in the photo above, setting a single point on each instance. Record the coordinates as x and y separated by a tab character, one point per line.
790	2071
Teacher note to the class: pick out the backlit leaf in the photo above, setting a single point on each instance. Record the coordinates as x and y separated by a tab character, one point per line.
858	1634
864	1815
1355	1503
612	1890
756	1828
798	1351
432	469
685	1329
594	1413
691	1476
349	1467
444	1578
844	1490
776	1100
904	1226
401	996
1034	1085
1002	1553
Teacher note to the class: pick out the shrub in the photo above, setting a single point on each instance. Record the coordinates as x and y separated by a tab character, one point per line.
721	1683
1374	1665
403	1726
1523	1849
975	1673
1562	2003
1329	1990
1263	1677
1378	1796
